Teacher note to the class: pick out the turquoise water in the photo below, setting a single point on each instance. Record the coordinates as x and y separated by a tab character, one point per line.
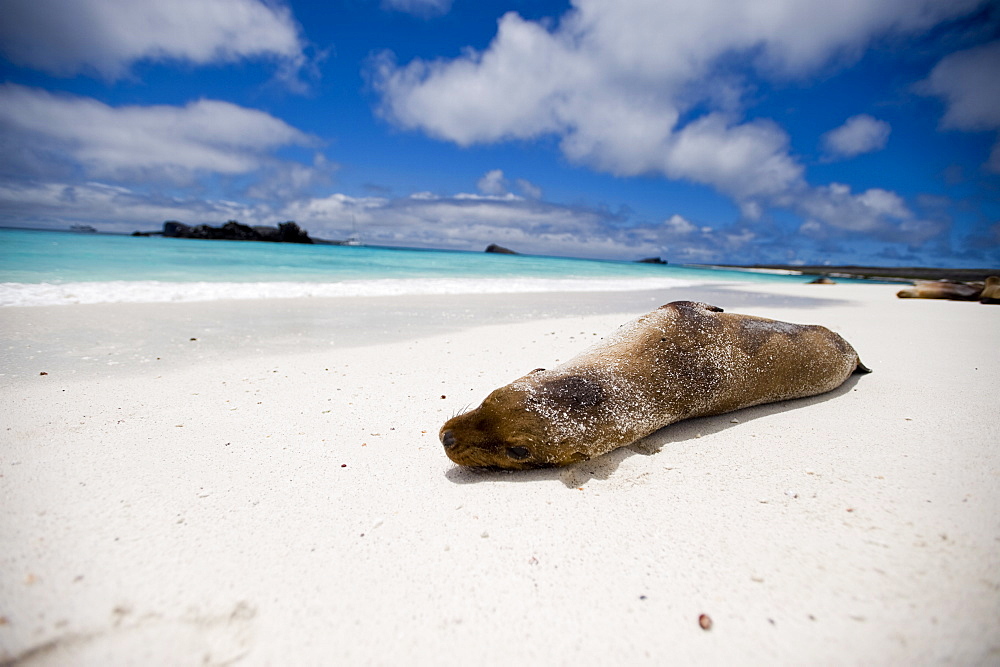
60	267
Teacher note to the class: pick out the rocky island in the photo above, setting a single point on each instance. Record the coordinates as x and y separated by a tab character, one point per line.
286	232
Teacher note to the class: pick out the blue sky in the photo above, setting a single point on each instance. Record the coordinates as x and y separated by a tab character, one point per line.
736	131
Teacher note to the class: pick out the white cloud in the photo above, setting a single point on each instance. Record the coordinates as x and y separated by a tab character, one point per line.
859	134
495	184
678	225
110	208
528	189
834	209
612	81
613	78
133	142
107	36
287	181
492	183
471	222
425	8
745	161
967	80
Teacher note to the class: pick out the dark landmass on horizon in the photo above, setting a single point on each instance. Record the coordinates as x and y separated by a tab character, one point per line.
286	232
902	273
500	250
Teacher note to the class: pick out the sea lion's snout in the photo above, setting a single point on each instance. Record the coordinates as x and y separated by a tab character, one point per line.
448	438
474	441
500	433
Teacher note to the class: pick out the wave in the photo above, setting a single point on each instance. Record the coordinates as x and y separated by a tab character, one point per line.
152	291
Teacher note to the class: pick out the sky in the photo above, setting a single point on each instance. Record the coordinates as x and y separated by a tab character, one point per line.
717	131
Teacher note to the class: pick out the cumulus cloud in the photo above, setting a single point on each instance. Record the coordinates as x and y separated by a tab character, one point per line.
678	225
967	80
424	8
636	87
110	208
859	134
137	142
528	189
613	78
493	183
286	181
107	36
833	209
746	161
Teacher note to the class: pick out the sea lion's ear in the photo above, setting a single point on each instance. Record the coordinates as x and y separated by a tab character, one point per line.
536	370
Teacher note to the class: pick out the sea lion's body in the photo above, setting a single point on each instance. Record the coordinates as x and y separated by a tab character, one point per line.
991	290
931	289
682	360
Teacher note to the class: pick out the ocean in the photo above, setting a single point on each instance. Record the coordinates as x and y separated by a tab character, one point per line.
39	267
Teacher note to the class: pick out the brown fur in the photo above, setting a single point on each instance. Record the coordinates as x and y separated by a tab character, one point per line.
682	360
991	292
940	290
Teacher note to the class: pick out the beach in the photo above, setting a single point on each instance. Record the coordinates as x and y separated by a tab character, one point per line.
260	482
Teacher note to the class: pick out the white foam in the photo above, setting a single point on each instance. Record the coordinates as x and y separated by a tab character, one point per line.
151	291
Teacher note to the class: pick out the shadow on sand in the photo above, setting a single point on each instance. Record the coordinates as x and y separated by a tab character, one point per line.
603	467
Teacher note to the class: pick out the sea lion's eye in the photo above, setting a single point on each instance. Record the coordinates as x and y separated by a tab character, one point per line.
519	453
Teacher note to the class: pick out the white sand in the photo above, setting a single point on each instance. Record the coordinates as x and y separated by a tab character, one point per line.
262	496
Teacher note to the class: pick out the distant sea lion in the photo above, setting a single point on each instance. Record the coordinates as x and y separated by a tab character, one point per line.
682	360
930	289
822	280
991	292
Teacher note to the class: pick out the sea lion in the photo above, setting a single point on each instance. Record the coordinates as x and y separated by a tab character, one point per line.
822	280
991	292
930	289
682	360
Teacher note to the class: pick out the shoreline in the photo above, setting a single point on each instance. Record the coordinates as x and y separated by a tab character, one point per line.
147	336
900	274
286	499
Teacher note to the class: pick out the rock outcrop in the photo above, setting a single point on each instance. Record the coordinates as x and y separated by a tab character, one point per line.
286	232
499	249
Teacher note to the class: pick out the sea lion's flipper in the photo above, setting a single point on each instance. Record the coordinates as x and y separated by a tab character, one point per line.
861	368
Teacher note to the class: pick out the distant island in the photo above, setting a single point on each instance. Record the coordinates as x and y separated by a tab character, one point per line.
500	250
286	232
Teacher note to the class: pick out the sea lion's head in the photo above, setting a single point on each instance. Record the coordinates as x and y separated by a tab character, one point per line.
508	432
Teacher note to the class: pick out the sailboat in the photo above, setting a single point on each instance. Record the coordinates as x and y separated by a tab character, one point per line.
354	238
